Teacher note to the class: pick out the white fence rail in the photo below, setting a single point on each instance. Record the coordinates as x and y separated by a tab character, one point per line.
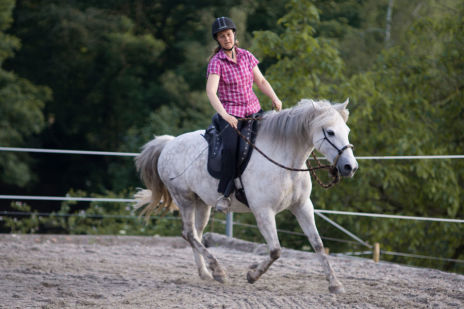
229	223
128	200
133	154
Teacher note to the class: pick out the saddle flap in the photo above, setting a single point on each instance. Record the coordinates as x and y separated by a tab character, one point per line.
215	146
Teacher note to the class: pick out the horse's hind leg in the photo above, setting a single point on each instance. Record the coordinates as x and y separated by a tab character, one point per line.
267	227
189	233
305	216
202	213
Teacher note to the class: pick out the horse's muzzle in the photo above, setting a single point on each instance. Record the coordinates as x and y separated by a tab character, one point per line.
347	167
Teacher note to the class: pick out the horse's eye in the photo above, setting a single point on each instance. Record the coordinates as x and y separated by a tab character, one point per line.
330	133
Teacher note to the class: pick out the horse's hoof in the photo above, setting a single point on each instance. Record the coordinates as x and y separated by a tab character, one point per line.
251	279
219	275
221	278
205	275
337	289
205	242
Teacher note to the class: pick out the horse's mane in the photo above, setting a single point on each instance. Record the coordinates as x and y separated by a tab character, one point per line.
296	122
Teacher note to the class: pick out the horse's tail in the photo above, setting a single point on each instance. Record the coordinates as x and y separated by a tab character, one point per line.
157	198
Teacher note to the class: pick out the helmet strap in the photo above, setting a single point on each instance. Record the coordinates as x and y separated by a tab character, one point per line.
230	49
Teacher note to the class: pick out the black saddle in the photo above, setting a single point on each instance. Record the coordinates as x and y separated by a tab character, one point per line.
215	148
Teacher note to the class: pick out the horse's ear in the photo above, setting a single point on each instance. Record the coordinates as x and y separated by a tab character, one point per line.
345	104
341	108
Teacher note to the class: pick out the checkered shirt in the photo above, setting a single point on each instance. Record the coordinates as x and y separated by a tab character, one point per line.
235	89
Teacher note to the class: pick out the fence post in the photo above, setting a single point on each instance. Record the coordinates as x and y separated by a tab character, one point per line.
376	255
230	224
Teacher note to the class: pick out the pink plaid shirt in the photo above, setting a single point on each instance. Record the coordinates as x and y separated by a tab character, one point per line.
235	90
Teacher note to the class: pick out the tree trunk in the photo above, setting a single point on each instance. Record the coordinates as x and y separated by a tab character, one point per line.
388	23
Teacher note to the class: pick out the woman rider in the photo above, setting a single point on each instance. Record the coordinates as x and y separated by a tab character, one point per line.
231	73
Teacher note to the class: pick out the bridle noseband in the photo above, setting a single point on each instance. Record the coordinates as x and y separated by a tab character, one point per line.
340	151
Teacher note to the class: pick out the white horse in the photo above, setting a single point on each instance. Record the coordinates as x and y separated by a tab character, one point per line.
174	171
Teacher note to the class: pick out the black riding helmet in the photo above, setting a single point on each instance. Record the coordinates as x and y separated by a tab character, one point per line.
221	24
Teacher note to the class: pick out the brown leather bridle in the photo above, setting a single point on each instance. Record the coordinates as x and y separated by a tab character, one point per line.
332	168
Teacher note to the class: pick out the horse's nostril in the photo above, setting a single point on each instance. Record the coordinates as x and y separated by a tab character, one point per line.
348	167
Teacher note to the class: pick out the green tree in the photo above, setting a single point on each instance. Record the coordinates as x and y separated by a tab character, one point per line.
114	83
408	103
311	65
21	104
103	76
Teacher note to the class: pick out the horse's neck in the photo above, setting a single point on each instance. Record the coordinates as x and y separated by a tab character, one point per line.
290	151
291	154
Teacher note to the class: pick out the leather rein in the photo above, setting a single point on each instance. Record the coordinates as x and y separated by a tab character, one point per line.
333	171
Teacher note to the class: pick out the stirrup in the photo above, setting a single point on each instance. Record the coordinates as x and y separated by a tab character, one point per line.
223	204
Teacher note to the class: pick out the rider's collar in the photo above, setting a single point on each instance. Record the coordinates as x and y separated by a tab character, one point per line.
222	54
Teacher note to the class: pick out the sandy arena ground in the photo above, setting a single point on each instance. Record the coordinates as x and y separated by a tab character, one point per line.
51	271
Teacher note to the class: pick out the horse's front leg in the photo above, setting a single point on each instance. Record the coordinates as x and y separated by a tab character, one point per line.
305	216
267	227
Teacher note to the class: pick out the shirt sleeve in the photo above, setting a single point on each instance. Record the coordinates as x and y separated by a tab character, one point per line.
252	59
214	67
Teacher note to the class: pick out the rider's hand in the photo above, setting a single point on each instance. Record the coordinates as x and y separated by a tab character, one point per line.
277	104
233	122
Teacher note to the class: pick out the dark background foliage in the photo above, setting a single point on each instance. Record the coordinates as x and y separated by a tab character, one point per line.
108	75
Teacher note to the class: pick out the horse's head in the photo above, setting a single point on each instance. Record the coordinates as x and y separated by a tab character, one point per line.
330	137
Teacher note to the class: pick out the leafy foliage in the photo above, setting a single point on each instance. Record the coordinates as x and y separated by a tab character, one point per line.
21	107
97	219
123	71
412	92
397	108
311	65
